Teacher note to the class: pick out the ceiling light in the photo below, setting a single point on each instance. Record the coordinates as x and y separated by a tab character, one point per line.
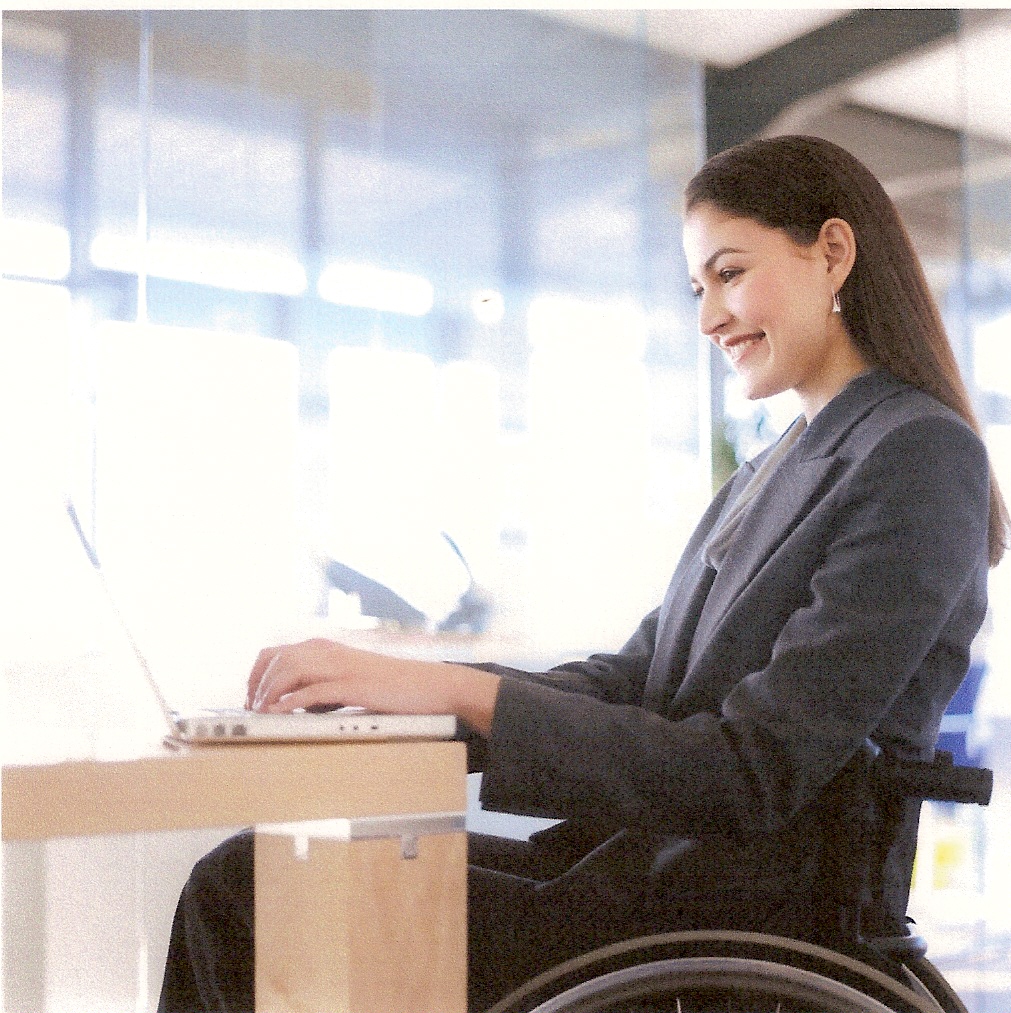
223	265
376	288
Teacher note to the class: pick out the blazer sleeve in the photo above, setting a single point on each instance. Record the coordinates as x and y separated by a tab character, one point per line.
905	544
609	678
612	678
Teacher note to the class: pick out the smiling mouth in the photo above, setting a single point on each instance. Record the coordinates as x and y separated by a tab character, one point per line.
736	348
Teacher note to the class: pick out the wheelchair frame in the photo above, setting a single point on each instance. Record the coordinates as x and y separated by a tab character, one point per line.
746	972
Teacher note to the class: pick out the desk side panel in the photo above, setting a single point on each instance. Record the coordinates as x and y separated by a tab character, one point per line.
414	958
354	927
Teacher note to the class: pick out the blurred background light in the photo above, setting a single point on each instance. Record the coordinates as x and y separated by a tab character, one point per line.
615	327
223	265
376	288
34	249
992	355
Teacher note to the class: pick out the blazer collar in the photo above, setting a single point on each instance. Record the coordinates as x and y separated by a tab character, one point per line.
833	423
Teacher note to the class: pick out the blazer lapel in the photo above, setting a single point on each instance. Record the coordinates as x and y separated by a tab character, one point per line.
774	513
685	597
783	502
776	510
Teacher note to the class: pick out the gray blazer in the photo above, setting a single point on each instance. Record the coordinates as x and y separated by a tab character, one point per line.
844	609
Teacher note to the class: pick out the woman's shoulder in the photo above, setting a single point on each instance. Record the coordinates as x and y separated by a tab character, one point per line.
910	402
910	440
878	408
913	414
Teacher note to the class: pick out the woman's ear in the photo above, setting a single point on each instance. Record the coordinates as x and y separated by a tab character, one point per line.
839	247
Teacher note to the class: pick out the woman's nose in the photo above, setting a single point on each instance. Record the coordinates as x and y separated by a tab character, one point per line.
713	315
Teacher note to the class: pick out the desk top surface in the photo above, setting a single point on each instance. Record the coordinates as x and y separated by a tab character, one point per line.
225	786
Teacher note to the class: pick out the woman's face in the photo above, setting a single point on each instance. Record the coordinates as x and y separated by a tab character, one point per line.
767	303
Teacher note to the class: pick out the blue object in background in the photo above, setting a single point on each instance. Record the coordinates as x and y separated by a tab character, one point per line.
959	725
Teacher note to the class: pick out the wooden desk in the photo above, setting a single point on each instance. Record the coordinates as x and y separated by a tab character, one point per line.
341	924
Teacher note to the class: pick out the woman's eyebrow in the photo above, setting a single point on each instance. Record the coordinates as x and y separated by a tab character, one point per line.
716	256
719	253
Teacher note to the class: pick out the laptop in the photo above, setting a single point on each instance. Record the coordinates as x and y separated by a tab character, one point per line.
228	725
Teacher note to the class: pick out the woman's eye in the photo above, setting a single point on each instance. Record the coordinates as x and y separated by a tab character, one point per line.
729	273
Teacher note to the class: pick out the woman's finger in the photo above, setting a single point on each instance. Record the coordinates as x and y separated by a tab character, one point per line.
293	667
318	695
263	660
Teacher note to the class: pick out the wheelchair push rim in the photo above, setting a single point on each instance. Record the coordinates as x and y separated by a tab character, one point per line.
715	971
702	982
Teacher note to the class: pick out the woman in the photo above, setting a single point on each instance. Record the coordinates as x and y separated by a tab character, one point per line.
830	594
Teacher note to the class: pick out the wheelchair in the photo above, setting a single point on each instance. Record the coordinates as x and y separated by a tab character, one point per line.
747	972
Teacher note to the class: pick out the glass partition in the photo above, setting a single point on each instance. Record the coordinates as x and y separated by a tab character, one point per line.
463	227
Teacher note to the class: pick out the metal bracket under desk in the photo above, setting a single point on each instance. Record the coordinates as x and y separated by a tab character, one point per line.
409	828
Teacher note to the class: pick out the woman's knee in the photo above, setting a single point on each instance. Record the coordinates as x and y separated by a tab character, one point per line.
223	878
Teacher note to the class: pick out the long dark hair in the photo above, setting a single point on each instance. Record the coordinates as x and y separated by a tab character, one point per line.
796	184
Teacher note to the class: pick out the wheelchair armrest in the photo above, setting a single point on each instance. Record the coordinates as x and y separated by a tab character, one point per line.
939	780
900	948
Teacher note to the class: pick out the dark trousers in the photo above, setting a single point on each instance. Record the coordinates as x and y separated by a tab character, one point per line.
525	914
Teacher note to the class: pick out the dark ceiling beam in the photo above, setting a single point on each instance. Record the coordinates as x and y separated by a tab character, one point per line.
741	101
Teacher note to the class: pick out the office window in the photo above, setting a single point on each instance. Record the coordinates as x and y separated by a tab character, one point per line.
462	224
35	242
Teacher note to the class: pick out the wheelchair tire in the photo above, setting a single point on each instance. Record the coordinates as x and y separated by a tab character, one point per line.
928	978
714	972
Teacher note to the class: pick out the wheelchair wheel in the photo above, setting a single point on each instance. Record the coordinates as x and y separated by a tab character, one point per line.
928	980
714	972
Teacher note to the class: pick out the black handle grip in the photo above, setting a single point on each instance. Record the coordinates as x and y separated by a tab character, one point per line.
939	781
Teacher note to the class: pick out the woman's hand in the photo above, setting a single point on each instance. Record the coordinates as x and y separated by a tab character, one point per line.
324	673
305	674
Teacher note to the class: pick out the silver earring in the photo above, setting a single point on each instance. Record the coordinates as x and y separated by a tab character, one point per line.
836	308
